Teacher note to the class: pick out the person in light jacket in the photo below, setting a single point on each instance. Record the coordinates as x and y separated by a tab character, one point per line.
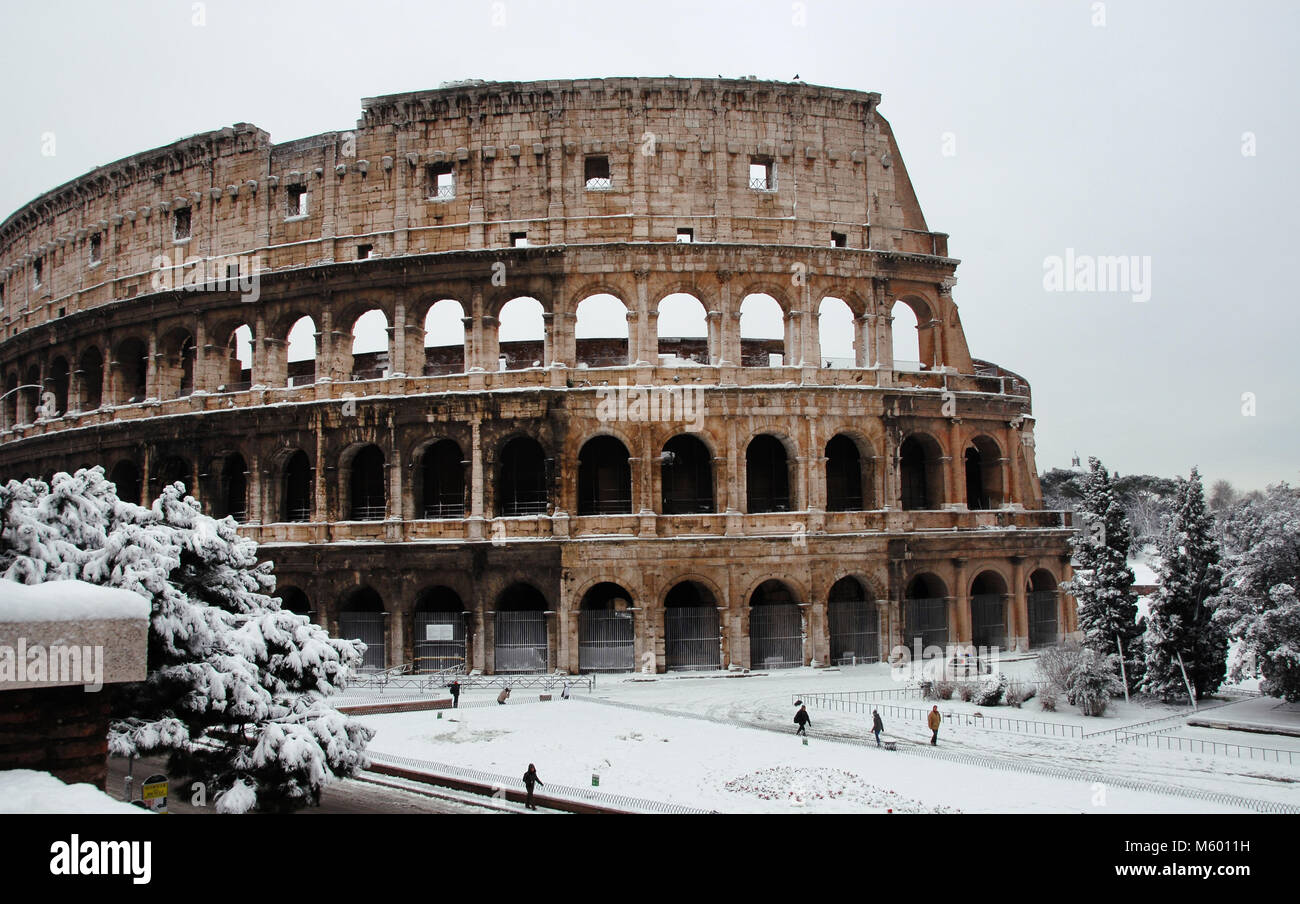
933	721
504	695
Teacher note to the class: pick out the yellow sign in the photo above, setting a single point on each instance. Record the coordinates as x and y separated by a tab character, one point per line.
154	791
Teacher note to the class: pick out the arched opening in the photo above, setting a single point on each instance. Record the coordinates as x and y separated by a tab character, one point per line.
297	488
686	472
692	629
176	368
767	475
58	384
238	375
1043	601
854	622
604	478
125	476
232	493
175	469
362	618
442	481
370	358
606	632
439	631
301	352
31	395
925	613
775	627
683	327
522	478
845	477
367	486
444	338
521	334
920	467
91	365
600	333
293	599
907	338
133	371
521	639
988	610
11	400
983	474
762	332
836	334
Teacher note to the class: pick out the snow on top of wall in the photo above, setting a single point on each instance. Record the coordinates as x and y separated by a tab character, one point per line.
68	601
28	791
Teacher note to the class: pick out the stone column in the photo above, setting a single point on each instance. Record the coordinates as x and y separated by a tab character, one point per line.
864	344
962	627
713	322
476	480
956	467
1020	605
885	342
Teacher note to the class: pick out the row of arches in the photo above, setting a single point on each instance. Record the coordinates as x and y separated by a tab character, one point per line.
612	632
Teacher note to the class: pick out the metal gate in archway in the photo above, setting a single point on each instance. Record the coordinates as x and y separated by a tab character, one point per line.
1043	630
439	641
855	632
775	636
926	620
521	645
367	627
988	620
606	641
691	638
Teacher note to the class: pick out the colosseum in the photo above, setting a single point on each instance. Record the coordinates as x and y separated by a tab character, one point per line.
487	377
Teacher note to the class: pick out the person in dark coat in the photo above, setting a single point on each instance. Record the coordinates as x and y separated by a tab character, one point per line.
503	696
803	720
530	779
877	726
454	687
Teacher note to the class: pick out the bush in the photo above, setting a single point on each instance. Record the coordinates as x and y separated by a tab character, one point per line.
966	691
1018	692
1093	681
989	689
1055	664
944	689
1047	700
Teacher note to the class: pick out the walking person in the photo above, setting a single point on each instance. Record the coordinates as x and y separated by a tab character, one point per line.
454	687
877	726
803	720
503	696
933	721
564	694
530	779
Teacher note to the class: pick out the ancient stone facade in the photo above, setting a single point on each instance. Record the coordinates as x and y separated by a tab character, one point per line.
615	491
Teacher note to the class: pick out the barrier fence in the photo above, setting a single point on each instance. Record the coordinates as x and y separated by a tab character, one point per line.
974	720
1218	748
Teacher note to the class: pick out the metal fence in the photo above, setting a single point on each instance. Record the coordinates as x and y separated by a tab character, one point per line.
855	632
692	639
606	641
367	627
1215	748
988	620
439	641
521	643
951	717
1042	605
926	620
775	637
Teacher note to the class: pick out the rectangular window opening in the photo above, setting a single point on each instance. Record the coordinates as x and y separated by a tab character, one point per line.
685	235
96	248
441	181
762	175
181	223
839	240
596	173
38	271
296	201
363	252
519	240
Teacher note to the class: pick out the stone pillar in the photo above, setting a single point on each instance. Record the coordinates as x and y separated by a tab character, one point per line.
1020	605
397	341
962	627
325	345
491	347
261	353
151	390
864	345
885	342
729	350
476	352
476	480
713	322
956	467
548	340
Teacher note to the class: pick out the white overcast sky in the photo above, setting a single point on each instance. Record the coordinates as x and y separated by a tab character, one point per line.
1117	139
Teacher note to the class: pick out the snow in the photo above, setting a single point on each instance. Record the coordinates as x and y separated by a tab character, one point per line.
1262	714
28	791
68	601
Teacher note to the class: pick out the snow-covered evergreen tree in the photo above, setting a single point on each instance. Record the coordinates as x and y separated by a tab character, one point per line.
1258	604
1181	619
1103	582
236	686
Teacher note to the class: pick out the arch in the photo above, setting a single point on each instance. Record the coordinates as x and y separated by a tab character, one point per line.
521	641
925	613
910	319
521	334
522	478
294	599
132	362
91	366
11	399
686	473
439	630
920	467
601	332
854	622
775	627
683	330
176	469
370	345
1043	605
767	475
692	628
983	470
58	383
176	364
444	338
988	608
125	476
836	333
367	485
604	477
763	335
31	394
298	488
231	498
300	352
237	375
850	477
441	492
606	630
362	617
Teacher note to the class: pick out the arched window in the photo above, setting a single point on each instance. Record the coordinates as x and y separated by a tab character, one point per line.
294	599
58	384
239	360
601	334
907	338
176	470
844	475
854	623
683	331
133	369
762	332
367	485
439	630
91	365
125	476
925	613
362	618
370	360
442	481
297	488
11	399
301	356
767	475
775	627
606	635
686	471
921	472
988	611
521	644
522	478
983	474
1043	601
444	338
521	334
692	629
836	334
232	496
604	478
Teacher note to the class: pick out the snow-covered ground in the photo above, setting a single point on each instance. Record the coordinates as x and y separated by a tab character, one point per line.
28	791
727	743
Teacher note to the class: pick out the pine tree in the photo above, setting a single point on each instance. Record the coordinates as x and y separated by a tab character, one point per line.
1103	582
236	686
1181	620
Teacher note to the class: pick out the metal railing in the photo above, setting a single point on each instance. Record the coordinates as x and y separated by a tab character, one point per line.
952	717
1160	740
